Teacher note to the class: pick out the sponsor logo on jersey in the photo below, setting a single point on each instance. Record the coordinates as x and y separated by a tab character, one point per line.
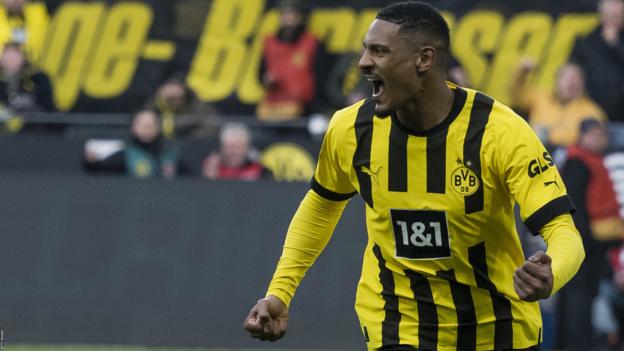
540	165
420	234
374	175
551	182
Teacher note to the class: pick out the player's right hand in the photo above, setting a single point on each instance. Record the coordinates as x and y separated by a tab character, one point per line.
268	319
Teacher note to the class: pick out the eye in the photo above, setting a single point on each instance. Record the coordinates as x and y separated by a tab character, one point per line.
375	50
379	51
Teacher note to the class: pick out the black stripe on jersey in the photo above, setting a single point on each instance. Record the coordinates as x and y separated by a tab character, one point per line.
436	148
364	139
397	160
328	194
548	212
390	324
436	163
466	314
481	108
427	313
503	329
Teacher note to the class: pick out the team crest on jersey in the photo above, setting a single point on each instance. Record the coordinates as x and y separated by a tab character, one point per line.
464	181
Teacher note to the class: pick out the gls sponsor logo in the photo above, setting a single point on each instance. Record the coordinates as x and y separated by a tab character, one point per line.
539	166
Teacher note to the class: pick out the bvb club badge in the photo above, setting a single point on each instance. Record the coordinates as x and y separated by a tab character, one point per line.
464	181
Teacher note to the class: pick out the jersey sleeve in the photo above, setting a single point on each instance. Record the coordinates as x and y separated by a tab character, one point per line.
330	179
531	176
308	234
565	247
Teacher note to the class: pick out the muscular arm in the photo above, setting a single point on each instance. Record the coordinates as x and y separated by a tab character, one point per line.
310	230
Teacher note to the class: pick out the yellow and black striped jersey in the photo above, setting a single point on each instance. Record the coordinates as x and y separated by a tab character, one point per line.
442	246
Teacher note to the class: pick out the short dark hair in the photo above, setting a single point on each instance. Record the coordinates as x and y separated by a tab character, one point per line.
589	123
416	16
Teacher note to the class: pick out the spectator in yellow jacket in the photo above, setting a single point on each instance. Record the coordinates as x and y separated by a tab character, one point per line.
24	22
556	115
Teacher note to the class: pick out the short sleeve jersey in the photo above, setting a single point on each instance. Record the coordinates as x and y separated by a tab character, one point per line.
442	244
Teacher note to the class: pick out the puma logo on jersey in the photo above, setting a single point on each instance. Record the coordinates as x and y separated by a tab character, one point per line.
373	175
551	182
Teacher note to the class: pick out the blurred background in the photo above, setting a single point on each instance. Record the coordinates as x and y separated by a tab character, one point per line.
152	153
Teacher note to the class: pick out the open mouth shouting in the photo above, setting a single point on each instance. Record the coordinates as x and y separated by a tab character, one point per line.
378	85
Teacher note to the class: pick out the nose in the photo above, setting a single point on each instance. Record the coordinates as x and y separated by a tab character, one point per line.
365	61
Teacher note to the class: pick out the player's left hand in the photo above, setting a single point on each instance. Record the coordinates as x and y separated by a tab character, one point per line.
534	279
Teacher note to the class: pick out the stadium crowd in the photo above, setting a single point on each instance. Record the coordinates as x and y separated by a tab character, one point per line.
173	133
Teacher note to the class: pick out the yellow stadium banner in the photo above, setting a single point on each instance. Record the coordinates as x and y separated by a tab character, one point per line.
110	57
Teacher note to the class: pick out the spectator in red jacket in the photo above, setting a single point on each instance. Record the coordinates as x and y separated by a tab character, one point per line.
291	62
597	219
235	158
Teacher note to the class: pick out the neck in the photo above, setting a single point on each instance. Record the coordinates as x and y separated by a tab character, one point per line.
429	109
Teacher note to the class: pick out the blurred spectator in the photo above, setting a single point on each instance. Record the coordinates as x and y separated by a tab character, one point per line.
555	116
235	158
179	108
586	158
24	22
592	192
146	154
608	316
22	88
601	55
292	62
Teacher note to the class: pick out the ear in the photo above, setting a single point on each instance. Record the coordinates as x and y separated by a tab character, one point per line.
426	58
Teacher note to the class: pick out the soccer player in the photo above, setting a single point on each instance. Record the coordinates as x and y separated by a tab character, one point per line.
440	168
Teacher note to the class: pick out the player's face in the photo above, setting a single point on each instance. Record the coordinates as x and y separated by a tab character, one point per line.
389	62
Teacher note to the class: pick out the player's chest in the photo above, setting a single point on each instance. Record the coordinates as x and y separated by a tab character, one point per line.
423	173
